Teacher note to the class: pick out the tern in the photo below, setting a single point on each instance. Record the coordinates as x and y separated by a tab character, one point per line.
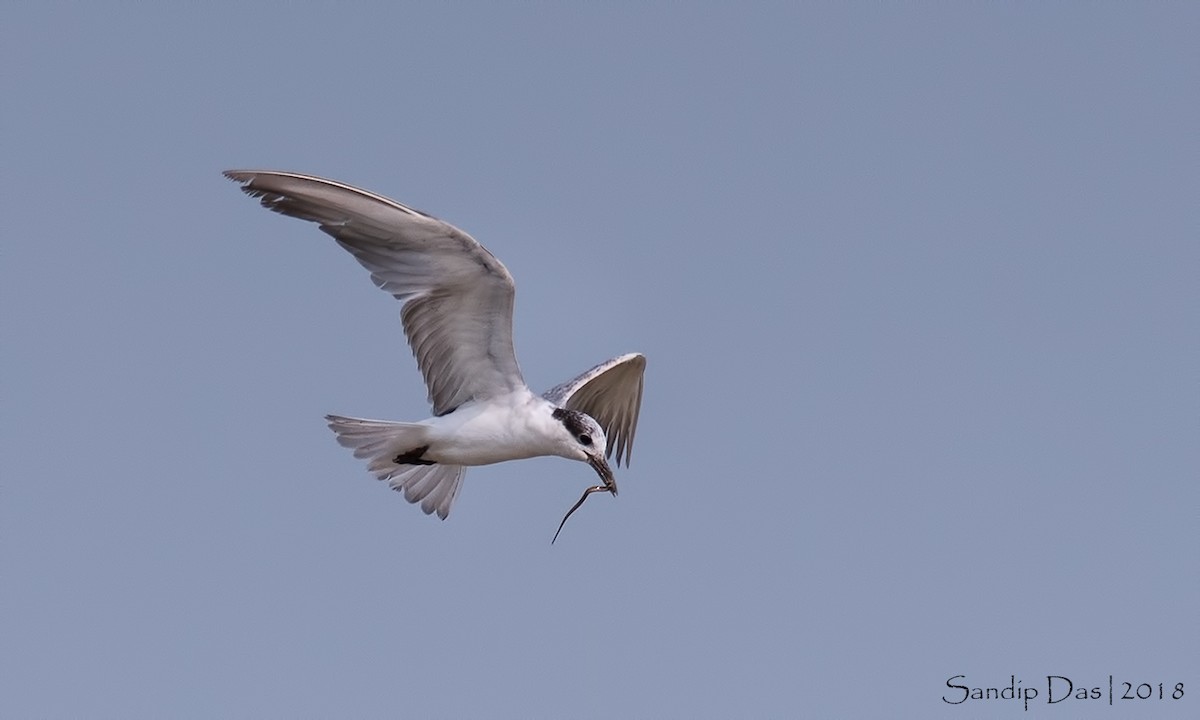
456	308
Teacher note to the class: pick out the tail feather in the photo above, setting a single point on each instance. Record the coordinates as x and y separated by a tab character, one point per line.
379	441
443	494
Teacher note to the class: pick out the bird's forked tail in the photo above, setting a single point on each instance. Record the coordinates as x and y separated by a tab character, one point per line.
382	443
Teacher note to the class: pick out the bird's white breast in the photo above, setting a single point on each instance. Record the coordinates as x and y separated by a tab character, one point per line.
509	427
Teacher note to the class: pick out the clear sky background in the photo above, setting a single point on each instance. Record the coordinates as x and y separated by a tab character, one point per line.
917	284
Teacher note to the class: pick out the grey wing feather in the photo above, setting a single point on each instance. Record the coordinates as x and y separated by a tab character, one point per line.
458	298
611	393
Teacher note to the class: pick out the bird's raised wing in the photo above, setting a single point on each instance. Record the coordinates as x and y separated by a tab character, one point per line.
611	393
458	298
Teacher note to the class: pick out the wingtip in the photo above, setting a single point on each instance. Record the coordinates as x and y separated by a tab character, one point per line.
629	357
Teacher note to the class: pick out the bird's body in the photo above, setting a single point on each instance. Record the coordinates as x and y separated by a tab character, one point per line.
477	434
515	426
457	313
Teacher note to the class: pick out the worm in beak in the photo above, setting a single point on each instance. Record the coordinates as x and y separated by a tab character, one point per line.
610	484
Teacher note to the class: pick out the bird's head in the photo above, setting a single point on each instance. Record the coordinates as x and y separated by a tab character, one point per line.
583	439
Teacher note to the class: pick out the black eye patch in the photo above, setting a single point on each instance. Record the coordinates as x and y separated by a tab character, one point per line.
576	423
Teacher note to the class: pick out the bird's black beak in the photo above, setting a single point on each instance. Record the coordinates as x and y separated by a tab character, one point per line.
600	465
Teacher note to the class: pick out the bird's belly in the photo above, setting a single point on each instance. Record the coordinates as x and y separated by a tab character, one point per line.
483	439
467	448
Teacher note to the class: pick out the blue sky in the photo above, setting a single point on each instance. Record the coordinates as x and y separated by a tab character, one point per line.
917	285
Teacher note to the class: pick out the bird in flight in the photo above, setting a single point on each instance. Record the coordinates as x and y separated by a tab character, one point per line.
457	305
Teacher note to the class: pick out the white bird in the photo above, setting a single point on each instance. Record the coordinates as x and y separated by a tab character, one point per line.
457	305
